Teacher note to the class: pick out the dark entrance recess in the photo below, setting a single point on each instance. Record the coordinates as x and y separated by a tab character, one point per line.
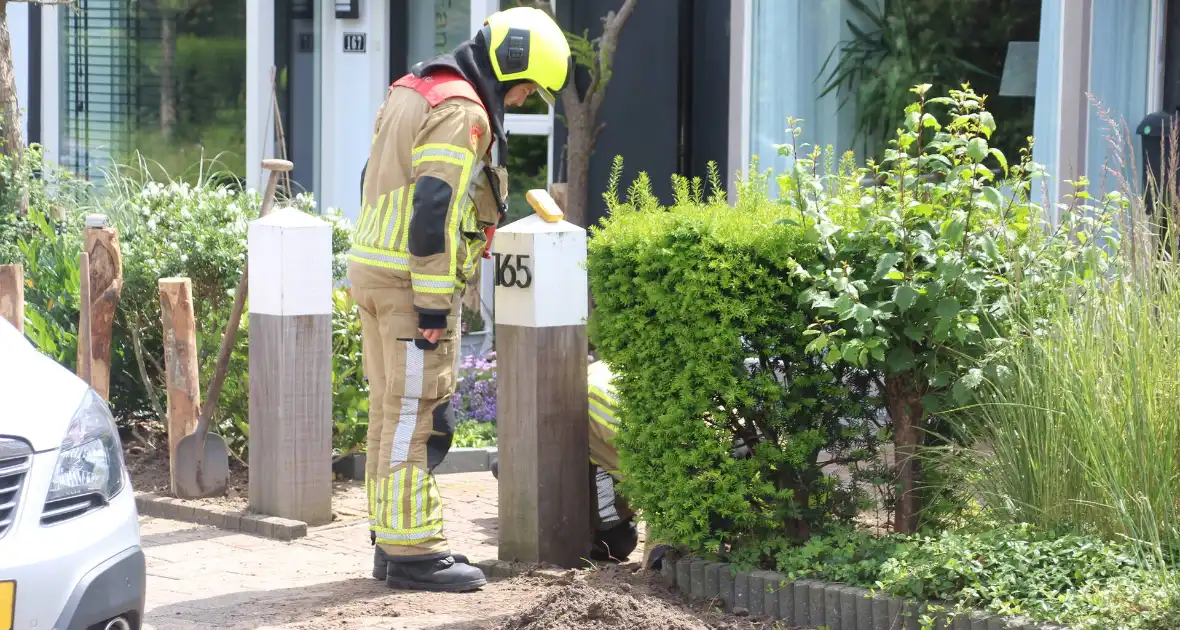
666	110
1172	56
34	74
1155	133
295	59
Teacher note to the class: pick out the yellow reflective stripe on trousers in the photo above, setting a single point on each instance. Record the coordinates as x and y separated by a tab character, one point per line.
408	507
463	158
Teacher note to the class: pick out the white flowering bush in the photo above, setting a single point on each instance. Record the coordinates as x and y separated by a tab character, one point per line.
172	229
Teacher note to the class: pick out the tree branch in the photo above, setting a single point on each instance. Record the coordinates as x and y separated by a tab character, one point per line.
137	346
612	26
597	132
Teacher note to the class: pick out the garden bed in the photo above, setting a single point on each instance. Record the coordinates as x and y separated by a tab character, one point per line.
150	479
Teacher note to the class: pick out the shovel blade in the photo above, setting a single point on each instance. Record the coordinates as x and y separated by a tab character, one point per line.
214	478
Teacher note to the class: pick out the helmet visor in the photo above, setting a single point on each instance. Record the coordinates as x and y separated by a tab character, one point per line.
546	95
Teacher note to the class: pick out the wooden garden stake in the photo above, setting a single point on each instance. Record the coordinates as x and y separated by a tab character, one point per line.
106	284
180	362
12	295
85	348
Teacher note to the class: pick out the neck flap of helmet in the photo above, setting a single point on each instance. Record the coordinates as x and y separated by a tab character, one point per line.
471	60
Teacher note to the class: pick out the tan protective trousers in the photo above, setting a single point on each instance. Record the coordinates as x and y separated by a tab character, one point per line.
411	419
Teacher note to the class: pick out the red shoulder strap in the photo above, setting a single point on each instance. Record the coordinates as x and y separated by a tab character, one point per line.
440	86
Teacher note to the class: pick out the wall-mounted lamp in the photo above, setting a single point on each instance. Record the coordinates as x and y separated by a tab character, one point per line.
348	9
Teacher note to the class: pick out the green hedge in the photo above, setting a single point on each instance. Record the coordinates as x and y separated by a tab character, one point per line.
684	296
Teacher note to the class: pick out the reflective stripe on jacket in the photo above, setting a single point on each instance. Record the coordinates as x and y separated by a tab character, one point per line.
417	217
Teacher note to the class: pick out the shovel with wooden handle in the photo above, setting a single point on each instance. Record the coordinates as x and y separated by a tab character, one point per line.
202	461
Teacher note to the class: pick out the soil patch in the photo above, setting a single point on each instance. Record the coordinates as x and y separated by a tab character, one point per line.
621	597
609	598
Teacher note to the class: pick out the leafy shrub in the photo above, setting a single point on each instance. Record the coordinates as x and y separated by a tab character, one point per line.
696	314
1014	569
921	275
350	389
474	434
475	393
46	241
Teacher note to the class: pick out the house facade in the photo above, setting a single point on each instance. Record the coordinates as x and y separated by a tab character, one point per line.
104	82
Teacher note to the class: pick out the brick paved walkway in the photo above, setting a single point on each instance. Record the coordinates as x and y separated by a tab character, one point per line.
204	577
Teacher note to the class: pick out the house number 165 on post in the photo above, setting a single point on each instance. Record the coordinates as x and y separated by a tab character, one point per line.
512	270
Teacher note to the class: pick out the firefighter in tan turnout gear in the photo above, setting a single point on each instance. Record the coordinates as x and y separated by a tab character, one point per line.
431	202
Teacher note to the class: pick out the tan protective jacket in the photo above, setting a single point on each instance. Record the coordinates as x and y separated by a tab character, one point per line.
426	196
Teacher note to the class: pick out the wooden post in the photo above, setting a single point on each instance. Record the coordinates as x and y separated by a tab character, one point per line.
289	260
12	295
85	355
106	284
180	362
542	425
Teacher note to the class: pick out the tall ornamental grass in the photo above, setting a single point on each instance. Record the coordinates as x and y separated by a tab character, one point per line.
1087	432
1085	436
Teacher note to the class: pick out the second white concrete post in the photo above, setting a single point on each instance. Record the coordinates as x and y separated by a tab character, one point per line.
290	269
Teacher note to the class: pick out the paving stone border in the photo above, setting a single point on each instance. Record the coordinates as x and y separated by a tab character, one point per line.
284	529
458	460
812	603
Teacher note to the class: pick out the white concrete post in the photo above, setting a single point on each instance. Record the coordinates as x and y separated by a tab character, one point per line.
542	419
290	271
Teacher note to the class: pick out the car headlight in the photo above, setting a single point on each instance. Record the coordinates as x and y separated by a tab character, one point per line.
90	461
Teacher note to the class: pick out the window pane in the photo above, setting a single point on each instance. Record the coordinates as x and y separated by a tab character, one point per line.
1120	64
164	77
437	26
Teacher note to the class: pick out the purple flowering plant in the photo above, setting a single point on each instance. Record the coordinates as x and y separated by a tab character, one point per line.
475	394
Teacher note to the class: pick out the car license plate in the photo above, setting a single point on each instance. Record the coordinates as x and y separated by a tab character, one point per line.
7	604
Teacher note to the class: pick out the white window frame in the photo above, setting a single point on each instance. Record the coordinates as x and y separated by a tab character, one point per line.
741	43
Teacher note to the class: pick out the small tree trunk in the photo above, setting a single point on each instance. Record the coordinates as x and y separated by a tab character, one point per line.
580	144
180	362
10	133
167	73
905	409
106	284
797	529
12	295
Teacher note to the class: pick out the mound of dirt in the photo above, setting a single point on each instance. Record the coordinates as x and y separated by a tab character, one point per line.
613	600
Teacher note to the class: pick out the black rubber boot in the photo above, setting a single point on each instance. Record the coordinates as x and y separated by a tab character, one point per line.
655	561
444	575
615	544
380	560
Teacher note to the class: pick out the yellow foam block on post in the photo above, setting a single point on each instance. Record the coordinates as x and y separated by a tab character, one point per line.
544	205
